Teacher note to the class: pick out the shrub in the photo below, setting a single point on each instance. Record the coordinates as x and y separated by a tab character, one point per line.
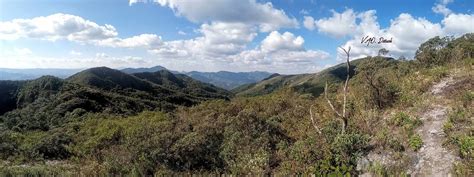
467	98
54	146
408	123
8	144
466	147
415	142
347	148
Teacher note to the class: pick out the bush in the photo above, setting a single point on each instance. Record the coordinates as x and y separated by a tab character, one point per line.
415	142
8	144
466	147
54	147
408	123
347	148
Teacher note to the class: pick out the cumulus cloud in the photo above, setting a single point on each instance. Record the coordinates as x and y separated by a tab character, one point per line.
54	27
308	23
407	32
338	25
263	15
458	24
223	45
218	40
72	28
284	52
282	42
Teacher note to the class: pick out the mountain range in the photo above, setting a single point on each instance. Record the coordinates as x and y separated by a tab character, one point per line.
224	79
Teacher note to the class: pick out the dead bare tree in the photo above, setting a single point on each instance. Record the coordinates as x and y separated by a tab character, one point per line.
314	122
344	118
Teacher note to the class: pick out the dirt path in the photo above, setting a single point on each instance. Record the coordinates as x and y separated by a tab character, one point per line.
433	159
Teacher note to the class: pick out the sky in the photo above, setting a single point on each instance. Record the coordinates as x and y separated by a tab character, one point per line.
284	36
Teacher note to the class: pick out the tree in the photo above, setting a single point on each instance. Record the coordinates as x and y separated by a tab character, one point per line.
341	115
383	52
376	79
431	52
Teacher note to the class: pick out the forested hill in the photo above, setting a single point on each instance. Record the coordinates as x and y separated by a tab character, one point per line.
49	101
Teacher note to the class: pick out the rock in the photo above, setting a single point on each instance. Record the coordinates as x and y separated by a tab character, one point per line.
362	164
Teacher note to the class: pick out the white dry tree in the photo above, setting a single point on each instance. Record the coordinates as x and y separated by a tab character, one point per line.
341	115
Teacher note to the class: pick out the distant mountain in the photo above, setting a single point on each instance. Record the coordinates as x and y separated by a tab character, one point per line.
28	74
224	79
228	80
107	78
142	70
303	83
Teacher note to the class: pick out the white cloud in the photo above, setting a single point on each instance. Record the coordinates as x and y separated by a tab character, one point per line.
263	15
142	40
55	27
407	32
72	28
282	42
224	46
284	53
218	40
458	24
308	23
181	33
339	25
440	8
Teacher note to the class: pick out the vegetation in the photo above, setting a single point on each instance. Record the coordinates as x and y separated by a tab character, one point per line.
48	102
166	124
459	129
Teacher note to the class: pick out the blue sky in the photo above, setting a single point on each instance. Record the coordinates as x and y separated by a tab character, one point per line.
285	36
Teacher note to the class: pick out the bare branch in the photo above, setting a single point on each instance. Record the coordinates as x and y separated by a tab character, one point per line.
347	81
312	121
329	101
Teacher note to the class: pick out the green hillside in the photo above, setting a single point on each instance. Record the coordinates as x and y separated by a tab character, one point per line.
312	84
49	101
